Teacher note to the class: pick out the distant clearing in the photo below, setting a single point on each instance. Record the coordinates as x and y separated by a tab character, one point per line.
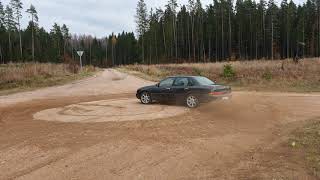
280	75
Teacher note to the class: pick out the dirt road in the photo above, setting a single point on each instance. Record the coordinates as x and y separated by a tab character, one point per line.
96	129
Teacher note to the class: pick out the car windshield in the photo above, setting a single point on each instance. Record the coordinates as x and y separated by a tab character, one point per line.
204	81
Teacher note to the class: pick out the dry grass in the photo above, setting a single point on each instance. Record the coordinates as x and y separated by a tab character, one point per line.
252	75
307	140
17	77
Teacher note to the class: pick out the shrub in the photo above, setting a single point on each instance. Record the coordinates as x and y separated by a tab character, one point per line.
228	71
267	76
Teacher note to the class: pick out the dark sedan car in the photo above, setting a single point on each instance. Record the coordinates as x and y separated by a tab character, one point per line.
191	90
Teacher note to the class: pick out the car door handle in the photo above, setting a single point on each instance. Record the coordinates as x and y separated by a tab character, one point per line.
186	88
168	88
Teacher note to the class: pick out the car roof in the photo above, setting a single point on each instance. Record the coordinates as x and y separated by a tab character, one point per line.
183	76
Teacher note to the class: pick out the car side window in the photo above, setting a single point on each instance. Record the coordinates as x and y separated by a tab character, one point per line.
181	82
191	82
166	82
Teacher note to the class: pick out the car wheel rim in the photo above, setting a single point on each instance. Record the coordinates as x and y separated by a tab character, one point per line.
192	101
145	98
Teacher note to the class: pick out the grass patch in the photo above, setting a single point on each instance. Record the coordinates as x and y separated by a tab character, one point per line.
307	139
22	77
278	75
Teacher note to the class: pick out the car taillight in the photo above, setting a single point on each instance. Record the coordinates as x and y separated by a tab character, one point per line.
216	93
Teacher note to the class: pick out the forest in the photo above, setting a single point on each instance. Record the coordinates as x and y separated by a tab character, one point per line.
222	31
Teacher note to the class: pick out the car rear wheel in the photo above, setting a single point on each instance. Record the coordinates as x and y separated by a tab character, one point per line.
145	98
192	101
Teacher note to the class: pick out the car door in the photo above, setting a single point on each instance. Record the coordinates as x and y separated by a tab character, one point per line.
181	87
164	90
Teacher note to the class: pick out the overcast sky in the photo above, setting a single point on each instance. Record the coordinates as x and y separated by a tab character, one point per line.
95	17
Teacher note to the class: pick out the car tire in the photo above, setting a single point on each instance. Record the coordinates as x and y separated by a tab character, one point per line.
145	98
192	101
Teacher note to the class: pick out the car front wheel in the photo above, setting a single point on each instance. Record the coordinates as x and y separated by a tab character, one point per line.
192	101
145	98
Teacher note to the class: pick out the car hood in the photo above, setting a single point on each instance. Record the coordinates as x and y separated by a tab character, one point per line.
147	87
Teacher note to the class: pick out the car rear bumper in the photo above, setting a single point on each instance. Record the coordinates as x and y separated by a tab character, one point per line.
217	97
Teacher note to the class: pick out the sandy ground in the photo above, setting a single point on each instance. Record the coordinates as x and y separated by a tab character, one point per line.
96	129
106	82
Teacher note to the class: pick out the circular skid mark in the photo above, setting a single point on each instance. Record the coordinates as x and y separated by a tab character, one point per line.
116	110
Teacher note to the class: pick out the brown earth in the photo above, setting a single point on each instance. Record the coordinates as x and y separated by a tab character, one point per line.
245	138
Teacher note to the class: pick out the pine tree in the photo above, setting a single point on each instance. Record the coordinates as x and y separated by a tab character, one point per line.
230	12
34	19
142	23
2	15
58	41
66	37
106	42
199	12
273	27
16	5
10	26
172	6
262	19
2	30
292	34
191	8
318	15
114	42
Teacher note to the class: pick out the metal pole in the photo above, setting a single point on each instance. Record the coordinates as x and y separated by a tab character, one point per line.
80	62
272	40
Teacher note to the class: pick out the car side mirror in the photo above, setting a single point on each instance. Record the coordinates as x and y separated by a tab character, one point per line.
158	84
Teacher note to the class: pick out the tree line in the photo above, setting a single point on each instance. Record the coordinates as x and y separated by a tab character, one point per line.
228	30
35	44
223	30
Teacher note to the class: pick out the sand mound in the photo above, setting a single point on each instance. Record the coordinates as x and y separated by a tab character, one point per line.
109	110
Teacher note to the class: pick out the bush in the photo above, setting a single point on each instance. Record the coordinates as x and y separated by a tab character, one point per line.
267	76
228	71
